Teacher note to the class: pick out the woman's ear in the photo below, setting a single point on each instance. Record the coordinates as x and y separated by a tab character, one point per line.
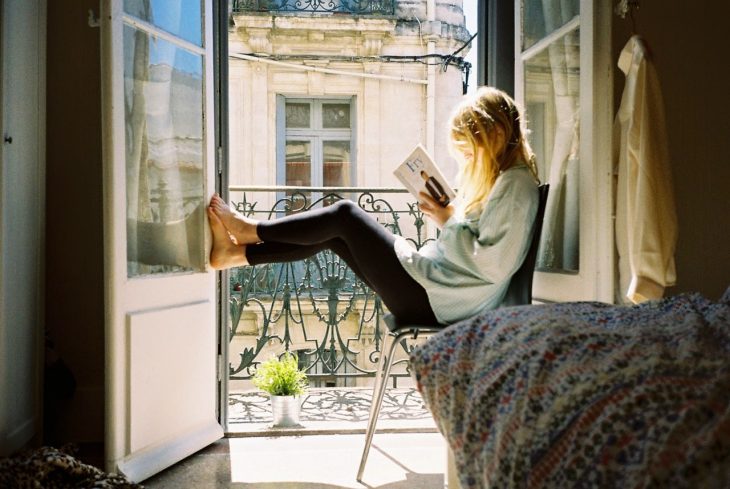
500	139
497	142
481	154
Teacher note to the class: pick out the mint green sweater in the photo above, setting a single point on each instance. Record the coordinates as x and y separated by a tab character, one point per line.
468	268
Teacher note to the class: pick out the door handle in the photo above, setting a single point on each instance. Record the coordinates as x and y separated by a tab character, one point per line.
7	139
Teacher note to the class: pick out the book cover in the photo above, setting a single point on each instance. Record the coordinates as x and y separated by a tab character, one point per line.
419	173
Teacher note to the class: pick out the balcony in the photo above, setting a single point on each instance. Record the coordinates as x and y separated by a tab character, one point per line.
353	7
319	309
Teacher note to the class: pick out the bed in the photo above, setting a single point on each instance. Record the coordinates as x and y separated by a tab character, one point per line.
585	394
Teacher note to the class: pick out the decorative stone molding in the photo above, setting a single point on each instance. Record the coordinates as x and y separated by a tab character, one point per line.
372	44
315	34
258	40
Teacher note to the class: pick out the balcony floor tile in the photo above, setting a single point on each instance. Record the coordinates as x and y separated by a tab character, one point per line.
335	410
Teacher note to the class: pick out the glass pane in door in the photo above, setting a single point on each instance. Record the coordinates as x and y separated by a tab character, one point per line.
336	164
552	80
298	115
182	18
541	17
336	116
298	172
165	175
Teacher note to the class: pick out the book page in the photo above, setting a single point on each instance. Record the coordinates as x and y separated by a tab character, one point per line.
419	173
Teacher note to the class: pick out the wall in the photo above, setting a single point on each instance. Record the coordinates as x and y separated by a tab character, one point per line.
22	122
689	46
74	276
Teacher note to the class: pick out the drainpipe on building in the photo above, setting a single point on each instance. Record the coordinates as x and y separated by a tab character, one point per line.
431	79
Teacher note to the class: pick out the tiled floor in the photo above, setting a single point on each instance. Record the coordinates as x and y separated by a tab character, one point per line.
343	410
397	461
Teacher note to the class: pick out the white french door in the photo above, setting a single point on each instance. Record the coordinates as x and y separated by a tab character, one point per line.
159	162
563	79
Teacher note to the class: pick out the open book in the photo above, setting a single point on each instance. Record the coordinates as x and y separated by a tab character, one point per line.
419	173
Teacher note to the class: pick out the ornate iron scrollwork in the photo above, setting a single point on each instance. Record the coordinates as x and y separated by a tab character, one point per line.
284	298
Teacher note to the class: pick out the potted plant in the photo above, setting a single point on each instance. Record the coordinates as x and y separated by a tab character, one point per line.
284	382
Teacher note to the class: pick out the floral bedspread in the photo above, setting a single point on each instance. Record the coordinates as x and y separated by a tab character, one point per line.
56	468
585	394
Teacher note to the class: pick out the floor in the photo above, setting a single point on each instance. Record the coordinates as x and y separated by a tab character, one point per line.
340	410
396	461
324	451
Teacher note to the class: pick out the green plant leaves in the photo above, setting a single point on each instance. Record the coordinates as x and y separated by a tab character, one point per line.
281	376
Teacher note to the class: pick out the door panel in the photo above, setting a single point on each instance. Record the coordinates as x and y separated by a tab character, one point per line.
159	157
170	371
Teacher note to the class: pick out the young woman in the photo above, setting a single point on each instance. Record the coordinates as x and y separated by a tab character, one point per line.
485	233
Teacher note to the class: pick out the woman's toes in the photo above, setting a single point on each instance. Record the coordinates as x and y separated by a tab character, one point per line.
224	253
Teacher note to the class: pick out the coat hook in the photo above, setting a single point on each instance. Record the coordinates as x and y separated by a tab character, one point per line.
93	19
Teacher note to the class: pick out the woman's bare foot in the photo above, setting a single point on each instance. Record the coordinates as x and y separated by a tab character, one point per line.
241	228
224	254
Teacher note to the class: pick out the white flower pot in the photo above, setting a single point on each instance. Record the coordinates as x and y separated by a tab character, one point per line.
286	410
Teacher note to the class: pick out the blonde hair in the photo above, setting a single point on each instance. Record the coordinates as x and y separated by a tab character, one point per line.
489	125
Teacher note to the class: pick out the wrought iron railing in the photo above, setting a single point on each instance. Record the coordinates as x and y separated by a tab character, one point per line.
355	7
317	307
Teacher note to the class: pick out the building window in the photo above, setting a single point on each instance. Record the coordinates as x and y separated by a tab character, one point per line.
315	144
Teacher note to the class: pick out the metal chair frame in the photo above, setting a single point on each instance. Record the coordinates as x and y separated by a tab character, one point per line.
518	293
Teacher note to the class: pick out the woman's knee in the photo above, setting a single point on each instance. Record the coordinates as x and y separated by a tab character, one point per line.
347	208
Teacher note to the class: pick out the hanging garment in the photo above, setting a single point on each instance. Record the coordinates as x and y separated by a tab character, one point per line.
646	220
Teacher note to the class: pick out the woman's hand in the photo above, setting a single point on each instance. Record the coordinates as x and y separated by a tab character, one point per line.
434	210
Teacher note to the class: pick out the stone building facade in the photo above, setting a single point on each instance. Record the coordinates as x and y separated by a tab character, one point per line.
334	98
397	95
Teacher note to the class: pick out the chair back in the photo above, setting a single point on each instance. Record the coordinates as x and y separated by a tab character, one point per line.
519	291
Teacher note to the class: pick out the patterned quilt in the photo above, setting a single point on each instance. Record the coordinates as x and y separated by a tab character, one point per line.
56	468
585	394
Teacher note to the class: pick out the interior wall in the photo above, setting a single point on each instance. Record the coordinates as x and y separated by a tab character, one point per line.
22	177
74	252
689	49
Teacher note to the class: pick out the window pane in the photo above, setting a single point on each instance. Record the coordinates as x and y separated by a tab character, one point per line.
336	116
163	98
552	98
298	115
183	18
336	163
298	163
298	170
541	17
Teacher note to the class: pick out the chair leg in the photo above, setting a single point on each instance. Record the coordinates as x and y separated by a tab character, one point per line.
381	383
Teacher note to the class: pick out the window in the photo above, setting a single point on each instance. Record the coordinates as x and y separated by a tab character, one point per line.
550	57
562	78
315	145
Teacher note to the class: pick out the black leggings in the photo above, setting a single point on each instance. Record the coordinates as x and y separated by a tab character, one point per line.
365	245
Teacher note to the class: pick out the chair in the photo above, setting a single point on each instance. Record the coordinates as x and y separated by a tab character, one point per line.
519	292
